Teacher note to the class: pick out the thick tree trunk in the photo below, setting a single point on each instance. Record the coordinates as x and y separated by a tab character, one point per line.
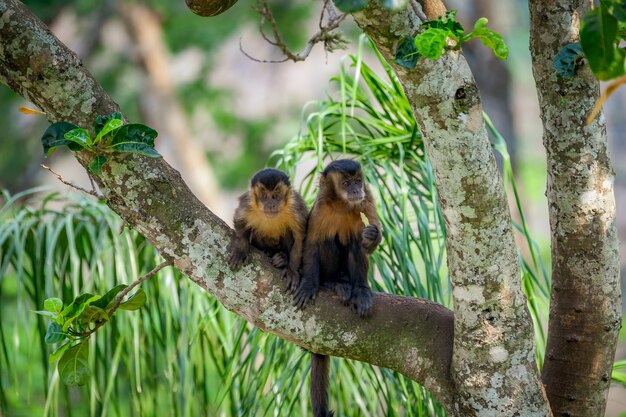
151	197
585	300
493	364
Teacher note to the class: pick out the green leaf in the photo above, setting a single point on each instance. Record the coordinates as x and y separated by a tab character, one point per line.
350	6
394	4
107	299
109	127
79	136
616	8
102	120
135	147
74	365
58	352
491	39
136	138
96	164
449	23
54	137
91	314
598	33
432	42
135	302
567	60
407	55
135	132
54	305
54	334
76	307
46	313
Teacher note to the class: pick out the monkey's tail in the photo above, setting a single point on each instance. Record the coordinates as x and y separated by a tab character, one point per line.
319	385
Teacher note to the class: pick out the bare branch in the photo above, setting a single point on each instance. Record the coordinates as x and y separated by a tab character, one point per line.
60	178
329	22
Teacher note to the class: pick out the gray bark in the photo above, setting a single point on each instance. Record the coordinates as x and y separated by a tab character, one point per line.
493	364
409	335
585	300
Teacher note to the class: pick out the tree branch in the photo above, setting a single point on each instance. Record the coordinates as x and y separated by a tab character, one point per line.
409	335
493	366
332	40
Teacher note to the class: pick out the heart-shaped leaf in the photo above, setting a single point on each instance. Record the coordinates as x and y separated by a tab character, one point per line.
74	365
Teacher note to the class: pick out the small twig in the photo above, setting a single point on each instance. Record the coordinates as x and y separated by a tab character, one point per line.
120	297
93	185
60	178
326	34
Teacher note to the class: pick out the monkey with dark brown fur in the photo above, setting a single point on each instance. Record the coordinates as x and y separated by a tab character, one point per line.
272	217
336	251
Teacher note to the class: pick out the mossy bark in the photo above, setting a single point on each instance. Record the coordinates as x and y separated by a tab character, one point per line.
585	303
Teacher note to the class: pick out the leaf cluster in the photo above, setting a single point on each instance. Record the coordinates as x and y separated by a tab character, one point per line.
112	135
446	34
72	324
601	32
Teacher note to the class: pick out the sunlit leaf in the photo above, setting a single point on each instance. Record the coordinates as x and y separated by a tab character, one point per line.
489	38
54	305
79	136
135	302
109	127
432	42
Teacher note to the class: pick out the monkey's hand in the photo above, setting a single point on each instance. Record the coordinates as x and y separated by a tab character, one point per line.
237	256
306	293
280	260
370	237
361	301
292	279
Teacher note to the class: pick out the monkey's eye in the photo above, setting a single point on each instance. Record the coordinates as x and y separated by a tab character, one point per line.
346	183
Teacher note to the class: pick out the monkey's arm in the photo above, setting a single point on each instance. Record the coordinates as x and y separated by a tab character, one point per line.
361	297
240	243
371	234
310	282
292	274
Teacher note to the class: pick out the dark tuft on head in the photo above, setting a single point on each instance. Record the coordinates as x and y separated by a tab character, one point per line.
270	178
347	166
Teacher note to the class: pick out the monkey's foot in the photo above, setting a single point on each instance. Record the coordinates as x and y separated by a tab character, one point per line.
344	291
361	301
305	294
370	236
280	260
236	259
292	279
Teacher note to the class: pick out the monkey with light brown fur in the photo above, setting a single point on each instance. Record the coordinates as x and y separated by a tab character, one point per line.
272	217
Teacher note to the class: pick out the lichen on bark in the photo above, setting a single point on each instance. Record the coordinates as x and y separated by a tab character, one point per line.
585	300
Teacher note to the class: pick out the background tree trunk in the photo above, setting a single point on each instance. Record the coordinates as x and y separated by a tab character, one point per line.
585	300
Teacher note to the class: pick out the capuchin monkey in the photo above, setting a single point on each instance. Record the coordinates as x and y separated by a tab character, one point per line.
272	217
343	230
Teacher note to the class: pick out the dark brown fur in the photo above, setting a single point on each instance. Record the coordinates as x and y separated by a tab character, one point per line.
336	253
279	233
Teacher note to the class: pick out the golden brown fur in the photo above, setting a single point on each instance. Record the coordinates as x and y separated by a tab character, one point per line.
272	217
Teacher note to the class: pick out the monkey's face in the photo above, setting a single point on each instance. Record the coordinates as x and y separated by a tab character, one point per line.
271	200
349	186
